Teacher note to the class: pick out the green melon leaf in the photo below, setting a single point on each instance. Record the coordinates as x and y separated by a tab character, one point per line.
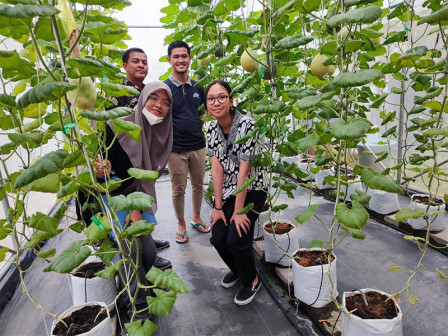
135	201
74	159
47	164
354	218
27	11
144	175
406	213
85	66
47	184
375	180
131	129
110	271
356	233
352	79
137	329
290	42
14	67
138	229
163	304
352	130
118	90
115	113
94	233
316	243
70	258
366	14
43	222
246	209
441	274
168	280
269	107
439	16
47	254
39	237
307	214
45	92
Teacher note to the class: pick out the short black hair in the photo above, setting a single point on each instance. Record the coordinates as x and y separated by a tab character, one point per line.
127	53
178	44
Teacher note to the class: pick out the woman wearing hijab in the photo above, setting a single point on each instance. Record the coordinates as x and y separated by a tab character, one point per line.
232	233
153	115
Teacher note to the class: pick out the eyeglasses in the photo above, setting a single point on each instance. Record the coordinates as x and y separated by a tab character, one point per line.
156	100
221	100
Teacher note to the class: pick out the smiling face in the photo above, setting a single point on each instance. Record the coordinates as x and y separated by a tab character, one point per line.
136	68
158	103
180	60
218	101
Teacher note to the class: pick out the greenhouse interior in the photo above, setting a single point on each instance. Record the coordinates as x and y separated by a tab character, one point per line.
324	121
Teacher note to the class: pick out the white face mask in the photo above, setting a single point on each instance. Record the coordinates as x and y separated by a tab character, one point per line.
152	119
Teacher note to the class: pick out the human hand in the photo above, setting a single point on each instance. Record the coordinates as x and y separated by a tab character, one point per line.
216	216
242	223
100	169
136	216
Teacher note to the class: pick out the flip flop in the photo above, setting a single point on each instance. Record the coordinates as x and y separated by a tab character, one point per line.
180	241
197	227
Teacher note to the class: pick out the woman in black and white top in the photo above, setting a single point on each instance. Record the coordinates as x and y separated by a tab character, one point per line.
232	234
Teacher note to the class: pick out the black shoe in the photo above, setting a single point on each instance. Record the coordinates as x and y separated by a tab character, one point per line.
161	244
246	294
161	263
229	280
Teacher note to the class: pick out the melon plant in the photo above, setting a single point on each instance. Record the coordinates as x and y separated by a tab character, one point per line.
54	125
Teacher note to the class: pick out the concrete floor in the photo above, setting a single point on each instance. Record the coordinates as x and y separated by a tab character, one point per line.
208	309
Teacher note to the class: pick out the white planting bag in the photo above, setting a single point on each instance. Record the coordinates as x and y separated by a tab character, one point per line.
288	241
102	329
320	176
435	220
95	289
383	202
306	168
353	325
307	282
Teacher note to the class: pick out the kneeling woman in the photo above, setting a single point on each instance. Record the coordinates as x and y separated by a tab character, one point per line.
232	234
153	115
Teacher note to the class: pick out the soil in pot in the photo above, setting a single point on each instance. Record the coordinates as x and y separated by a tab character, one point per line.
378	306
89	270
80	321
311	258
280	228
425	200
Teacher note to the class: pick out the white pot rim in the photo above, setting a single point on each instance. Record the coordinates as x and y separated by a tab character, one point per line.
312	249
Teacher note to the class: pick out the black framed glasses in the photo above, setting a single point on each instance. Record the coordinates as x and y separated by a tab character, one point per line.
156	100
220	99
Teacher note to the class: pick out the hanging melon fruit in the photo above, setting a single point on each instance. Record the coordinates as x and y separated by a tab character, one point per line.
249	60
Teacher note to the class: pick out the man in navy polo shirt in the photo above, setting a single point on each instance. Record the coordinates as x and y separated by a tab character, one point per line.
188	153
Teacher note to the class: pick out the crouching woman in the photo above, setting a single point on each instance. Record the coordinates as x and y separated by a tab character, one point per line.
232	234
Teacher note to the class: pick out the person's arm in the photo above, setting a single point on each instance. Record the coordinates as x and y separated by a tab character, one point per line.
242	222
218	179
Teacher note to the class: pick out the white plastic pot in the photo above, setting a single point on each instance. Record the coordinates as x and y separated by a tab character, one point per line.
95	289
436	221
306	168
102	329
288	241
312	284
320	176
353	325
383	202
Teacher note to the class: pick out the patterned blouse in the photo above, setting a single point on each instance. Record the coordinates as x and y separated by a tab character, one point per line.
230	154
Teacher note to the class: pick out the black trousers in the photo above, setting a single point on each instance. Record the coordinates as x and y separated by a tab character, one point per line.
236	252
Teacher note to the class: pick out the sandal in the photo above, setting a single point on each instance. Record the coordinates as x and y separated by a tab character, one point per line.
197	227
183	240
